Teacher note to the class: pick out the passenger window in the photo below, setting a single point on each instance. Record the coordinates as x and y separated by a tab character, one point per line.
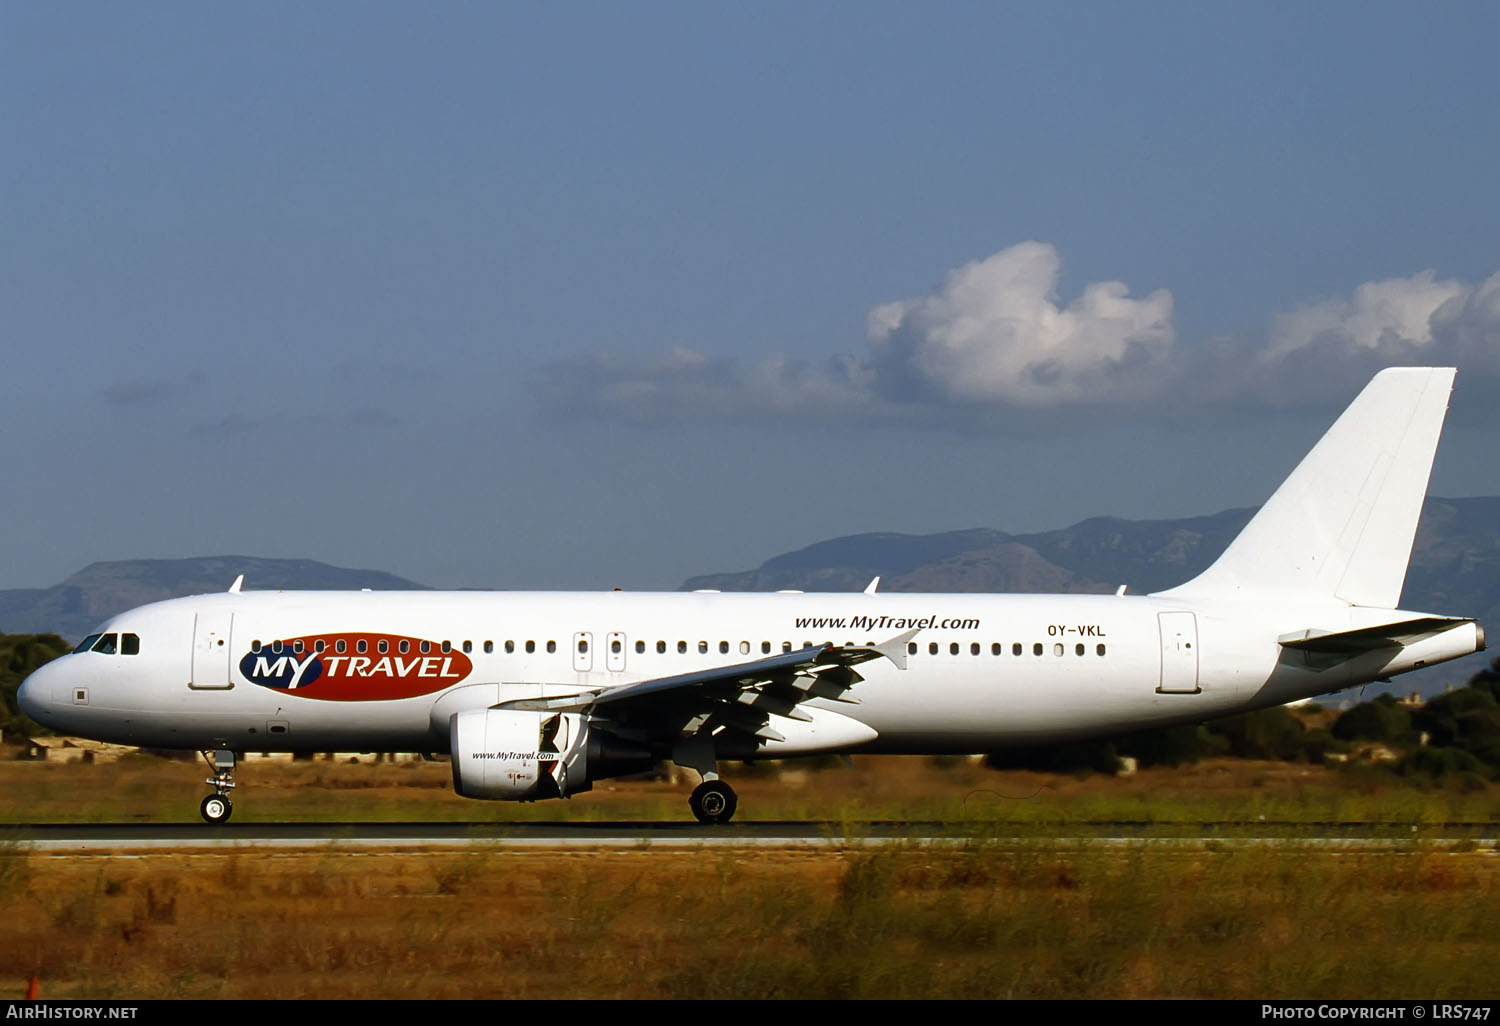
254	645
1036	649
583	646
661	648
1057	649
765	648
468	646
953	648
932	648
911	648
489	647
1015	649
723	648
702	648
786	646
341	646
382	646
682	648
297	646
130	644
360	646
108	644
276	647
510	647
424	647
87	644
1100	650
403	646
447	646
995	648
974	648
551	646
1080	649
530	647
640	647
319	646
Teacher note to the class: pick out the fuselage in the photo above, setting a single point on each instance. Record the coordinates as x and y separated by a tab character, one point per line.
385	671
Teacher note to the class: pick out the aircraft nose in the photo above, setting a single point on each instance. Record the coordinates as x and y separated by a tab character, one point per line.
35	694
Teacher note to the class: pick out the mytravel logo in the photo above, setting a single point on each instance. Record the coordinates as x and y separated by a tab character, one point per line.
355	667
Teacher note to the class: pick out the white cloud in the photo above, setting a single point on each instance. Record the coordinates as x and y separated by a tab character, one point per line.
995	338
995	333
1394	314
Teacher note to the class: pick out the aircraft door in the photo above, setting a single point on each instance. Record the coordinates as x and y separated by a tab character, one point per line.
211	650
1179	653
615	654
583	651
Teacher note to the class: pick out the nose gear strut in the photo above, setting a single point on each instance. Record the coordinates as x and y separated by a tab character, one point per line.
217	806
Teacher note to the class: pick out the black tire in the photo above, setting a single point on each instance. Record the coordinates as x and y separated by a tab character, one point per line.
216	809
713	802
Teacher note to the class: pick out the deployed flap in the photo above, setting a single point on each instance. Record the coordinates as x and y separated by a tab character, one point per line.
1364	639
1341	526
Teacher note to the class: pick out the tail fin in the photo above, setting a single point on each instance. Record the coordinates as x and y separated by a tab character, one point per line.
1341	527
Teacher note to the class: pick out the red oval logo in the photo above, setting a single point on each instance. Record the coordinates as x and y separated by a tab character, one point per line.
355	667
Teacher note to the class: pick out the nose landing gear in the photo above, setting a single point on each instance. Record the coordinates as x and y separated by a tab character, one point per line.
217	807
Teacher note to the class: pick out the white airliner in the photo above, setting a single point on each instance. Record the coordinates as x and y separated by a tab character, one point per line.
538	695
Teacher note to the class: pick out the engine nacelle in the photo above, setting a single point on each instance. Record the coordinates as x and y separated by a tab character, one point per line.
522	756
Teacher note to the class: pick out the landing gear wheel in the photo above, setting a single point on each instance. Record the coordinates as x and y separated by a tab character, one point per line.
713	801
216	808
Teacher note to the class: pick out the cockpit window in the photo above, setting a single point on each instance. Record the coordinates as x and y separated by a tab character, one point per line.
130	644
108	644
88	643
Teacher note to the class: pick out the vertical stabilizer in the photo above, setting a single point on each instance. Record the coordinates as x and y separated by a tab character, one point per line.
1341	527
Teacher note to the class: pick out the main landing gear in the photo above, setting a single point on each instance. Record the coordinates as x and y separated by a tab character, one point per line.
713	801
217	807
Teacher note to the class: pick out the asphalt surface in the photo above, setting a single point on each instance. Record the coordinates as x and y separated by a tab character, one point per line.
102	838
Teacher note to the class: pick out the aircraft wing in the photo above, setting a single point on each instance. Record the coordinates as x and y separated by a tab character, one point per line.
739	696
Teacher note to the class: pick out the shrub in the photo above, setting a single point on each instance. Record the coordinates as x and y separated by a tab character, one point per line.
1438	764
1467	720
1383	719
1263	734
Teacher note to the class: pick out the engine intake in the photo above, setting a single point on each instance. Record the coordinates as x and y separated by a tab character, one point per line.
521	756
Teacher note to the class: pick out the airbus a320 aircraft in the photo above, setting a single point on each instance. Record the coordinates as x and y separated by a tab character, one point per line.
538	695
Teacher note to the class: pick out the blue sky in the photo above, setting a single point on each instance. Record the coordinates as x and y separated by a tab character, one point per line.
586	295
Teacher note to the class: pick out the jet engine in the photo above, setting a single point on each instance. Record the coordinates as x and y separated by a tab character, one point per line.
522	756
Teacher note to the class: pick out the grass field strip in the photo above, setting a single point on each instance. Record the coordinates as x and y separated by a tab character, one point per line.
106	846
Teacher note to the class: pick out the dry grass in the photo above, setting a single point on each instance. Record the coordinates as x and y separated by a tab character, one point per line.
978	922
987	920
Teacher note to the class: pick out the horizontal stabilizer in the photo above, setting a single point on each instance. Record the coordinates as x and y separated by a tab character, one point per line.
1366	639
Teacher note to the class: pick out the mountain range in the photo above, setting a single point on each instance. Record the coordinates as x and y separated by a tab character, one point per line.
100	590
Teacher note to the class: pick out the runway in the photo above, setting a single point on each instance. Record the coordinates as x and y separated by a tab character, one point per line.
143	838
